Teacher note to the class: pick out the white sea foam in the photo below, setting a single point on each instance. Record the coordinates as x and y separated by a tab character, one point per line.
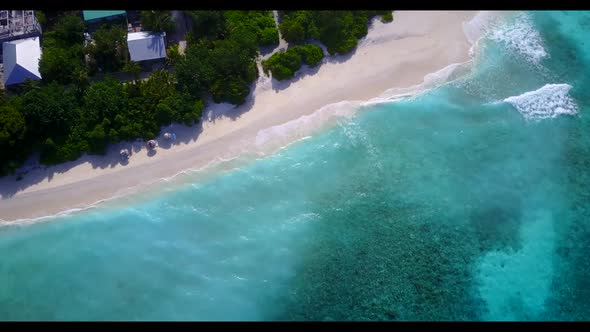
520	36
547	102
430	81
283	134
211	166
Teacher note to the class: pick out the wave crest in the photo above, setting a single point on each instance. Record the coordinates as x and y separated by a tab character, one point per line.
547	102
520	36
281	135
284	134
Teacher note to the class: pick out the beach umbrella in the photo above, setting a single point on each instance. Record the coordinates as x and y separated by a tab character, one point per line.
151	144
124	153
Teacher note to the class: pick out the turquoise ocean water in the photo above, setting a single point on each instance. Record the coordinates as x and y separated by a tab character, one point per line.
467	202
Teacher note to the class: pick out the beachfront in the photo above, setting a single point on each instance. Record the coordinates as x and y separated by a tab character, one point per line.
395	55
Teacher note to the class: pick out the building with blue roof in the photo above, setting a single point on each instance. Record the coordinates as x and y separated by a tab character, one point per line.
21	60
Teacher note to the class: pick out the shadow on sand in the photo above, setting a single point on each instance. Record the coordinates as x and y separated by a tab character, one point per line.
33	173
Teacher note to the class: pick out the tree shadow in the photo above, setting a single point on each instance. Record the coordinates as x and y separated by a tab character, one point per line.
152	152
34	173
336	58
137	146
165	144
342	58
226	110
301	73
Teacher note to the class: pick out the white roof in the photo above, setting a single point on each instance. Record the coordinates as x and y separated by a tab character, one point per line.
146	45
21	60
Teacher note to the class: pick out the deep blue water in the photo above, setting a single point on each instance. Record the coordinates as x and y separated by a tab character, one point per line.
467	202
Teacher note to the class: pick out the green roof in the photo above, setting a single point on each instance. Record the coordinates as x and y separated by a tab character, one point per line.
95	14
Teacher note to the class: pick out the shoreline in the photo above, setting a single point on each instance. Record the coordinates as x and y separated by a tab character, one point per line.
395	56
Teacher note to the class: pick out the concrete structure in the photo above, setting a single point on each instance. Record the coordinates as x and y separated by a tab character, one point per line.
18	24
21	60
145	46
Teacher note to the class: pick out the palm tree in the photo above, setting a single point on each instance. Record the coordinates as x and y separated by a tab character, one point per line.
157	20
173	55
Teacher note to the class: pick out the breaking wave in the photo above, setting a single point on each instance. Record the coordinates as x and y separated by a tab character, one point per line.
521	37
547	102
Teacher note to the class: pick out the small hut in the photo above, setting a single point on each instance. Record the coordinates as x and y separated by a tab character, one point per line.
124	153
152	144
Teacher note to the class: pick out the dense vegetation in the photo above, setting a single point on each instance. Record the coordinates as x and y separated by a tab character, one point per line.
64	116
12	133
338	30
108	49
71	111
220	59
62	59
157	20
64	125
387	17
284	65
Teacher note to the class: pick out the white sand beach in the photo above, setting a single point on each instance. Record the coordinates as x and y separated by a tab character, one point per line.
394	55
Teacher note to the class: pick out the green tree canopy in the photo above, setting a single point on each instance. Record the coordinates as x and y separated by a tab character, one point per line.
12	127
104	99
133	69
62	65
386	16
339	30
49	110
292	31
284	65
209	24
232	90
109	48
260	23
62	59
194	72
157	20
69	30
212	66
3	96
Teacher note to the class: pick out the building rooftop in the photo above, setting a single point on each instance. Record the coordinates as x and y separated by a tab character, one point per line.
14	23
96	14
21	60
146	45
